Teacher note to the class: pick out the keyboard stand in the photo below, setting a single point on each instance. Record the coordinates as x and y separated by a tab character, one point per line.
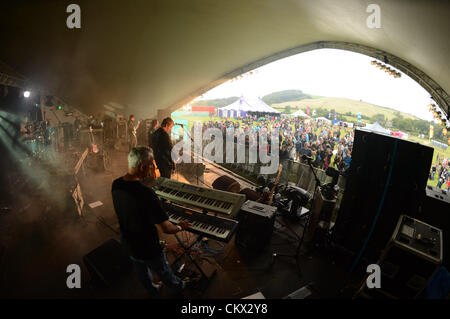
187	250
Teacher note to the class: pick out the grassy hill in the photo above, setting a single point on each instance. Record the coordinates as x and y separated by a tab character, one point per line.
341	105
284	96
217	102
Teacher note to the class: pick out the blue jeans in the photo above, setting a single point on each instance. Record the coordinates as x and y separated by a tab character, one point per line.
160	266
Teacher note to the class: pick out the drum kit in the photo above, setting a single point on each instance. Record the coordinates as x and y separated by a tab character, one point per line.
36	139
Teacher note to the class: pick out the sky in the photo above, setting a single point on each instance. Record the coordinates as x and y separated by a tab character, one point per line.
332	73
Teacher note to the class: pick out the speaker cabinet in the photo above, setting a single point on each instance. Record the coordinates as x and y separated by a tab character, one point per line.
387	177
255	225
107	263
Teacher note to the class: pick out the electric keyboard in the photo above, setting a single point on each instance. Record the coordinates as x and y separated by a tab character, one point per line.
200	197
214	227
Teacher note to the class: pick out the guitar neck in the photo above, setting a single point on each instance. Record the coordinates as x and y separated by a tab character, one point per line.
275	184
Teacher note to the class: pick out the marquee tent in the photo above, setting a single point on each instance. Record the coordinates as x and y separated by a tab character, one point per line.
323	119
241	107
299	113
377	128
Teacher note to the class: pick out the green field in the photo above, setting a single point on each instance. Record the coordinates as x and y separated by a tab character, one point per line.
342	106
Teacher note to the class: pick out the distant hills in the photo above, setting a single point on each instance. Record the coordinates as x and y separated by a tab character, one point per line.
216	102
343	106
272	98
285	96
296	99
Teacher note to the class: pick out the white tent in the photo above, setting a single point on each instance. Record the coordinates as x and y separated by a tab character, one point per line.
377	128
323	119
299	113
244	105
262	107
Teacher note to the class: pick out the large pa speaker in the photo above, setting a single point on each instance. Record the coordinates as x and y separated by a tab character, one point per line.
386	178
108	263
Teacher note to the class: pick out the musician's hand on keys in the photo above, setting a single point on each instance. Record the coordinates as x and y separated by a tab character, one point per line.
184	225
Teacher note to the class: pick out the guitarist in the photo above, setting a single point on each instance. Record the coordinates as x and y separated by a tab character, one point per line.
132	128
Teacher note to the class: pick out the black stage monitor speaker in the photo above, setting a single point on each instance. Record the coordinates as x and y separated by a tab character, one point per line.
255	225
386	178
107	263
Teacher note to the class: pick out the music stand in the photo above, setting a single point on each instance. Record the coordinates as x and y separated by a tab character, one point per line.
187	252
305	228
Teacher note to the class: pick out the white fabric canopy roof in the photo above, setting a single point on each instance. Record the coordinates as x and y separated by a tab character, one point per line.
249	105
239	105
299	113
261	106
323	119
376	127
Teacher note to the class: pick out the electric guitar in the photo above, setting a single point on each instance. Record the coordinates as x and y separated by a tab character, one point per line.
94	146
136	128
268	197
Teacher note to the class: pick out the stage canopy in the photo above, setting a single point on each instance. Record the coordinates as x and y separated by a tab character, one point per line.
244	106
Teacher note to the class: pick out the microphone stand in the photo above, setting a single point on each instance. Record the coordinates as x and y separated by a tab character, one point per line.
305	227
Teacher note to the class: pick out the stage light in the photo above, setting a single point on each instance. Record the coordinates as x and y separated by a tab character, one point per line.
26	94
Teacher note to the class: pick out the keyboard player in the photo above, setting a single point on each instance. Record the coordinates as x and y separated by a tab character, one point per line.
139	210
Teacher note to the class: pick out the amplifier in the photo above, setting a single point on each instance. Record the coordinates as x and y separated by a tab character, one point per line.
255	225
435	210
410	259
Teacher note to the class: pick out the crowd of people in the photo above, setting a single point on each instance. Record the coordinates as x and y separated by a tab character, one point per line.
440	171
323	144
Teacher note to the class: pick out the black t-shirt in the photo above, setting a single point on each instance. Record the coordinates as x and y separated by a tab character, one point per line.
138	210
162	148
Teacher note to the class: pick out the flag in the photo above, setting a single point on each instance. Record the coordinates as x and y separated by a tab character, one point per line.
431	131
307	110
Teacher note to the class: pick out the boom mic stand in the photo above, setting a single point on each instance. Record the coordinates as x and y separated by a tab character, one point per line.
305	228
